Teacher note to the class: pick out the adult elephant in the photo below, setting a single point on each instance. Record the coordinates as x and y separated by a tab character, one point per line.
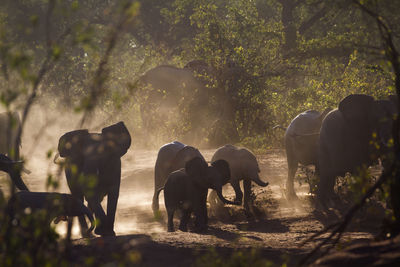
183	94
9	125
171	157
301	144
93	170
13	168
352	137
243	165
187	189
165	87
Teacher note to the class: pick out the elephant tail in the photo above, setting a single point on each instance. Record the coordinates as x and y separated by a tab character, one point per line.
279	127
155	205
258	181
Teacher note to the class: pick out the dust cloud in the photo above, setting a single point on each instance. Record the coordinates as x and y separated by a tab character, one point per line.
43	128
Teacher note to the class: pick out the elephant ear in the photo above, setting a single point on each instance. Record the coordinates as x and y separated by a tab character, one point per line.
356	107
223	168
196	168
71	142
117	138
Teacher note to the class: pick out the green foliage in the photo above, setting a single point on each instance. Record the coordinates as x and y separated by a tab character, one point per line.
28	239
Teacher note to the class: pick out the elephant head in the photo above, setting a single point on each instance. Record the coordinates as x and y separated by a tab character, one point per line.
13	168
113	140
184	155
374	116
213	177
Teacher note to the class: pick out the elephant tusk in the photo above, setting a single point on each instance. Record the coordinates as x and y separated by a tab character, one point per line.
56	156
60	218
25	170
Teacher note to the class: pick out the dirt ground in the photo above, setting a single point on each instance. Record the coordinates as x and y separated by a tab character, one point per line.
275	234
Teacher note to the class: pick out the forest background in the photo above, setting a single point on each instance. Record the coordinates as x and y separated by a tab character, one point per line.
262	62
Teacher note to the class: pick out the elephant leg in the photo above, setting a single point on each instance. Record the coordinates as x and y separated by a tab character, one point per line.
184	220
247	201
95	206
317	175
112	201
200	211
109	180
236	186
76	192
325	190
83	223
203	209
170	212
292	168
200	221
155	202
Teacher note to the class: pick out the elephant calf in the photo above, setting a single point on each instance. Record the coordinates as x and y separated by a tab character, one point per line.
243	166
171	157
187	189
56	205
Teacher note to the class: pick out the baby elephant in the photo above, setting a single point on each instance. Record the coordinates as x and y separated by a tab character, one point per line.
187	189
57	205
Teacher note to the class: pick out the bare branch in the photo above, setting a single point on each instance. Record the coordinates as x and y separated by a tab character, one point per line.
97	88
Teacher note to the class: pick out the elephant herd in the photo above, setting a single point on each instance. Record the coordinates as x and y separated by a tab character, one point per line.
184	175
346	139
336	141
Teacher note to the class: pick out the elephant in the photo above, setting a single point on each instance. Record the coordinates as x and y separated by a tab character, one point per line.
93	170
346	141
165	87
8	134
56	205
187	189
301	144
171	157
196	83
243	166
13	168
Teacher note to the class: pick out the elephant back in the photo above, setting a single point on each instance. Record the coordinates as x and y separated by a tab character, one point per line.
240	160
307	122
71	142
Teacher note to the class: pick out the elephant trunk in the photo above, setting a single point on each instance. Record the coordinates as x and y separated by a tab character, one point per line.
17	180
223	199
258	181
